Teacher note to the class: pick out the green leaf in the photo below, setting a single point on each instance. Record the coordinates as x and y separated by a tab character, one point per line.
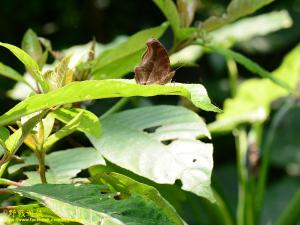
235	10
159	143
169	9
246	29
254	96
68	129
4	133
96	204
31	45
187	10
14	141
29	63
63	165
122	59
127	186
95	89
8	72
89	122
227	36
252	66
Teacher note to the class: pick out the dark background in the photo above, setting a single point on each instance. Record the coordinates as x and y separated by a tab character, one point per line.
71	22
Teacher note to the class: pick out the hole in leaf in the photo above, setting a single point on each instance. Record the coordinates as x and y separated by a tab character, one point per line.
166	142
151	129
118	196
194	160
204	139
178	183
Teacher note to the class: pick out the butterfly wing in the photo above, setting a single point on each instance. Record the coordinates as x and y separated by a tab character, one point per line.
155	67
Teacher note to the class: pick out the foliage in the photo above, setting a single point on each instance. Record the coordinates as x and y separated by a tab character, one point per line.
151	163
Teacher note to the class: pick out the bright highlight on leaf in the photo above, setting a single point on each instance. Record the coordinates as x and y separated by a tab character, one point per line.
160	143
90	90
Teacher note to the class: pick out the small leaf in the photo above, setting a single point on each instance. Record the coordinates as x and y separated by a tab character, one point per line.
235	10
29	63
93	204
68	129
96	89
169	9
12	74
89	122
159	143
4	134
56	78
32	45
14	141
187	9
124	57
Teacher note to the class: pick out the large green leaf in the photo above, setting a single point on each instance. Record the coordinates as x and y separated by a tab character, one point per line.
118	61
159	143
29	63
63	165
254	96
235	10
99	204
94	89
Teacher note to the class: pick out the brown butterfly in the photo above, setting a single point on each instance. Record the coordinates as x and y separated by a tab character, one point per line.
155	66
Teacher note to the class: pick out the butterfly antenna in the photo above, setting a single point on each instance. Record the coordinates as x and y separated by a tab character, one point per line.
184	64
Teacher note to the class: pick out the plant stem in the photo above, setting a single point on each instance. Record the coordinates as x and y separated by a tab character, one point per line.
233	76
266	151
42	167
241	151
115	107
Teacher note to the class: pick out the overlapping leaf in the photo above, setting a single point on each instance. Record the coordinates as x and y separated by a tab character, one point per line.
95	89
63	165
129	203
159	143
254	96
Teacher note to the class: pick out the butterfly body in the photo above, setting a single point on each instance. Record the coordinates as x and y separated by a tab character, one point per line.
155	66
